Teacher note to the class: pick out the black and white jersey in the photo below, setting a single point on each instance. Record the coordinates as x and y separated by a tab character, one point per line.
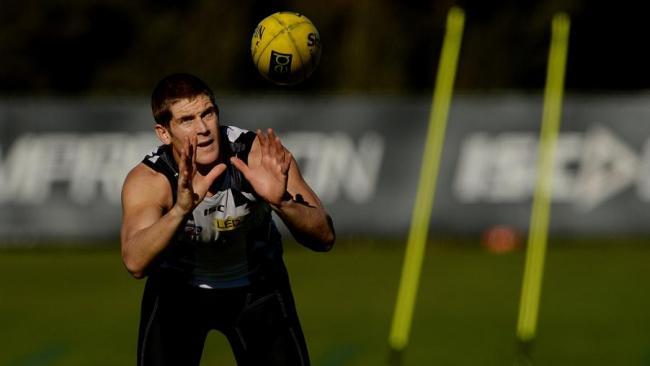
230	235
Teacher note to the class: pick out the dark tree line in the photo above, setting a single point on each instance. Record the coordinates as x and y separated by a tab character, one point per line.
108	47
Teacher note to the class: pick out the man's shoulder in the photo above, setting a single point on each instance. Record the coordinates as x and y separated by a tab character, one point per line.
145	187
144	177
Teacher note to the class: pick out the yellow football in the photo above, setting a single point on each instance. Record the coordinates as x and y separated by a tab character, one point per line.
286	48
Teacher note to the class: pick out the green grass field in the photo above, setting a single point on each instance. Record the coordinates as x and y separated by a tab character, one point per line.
79	307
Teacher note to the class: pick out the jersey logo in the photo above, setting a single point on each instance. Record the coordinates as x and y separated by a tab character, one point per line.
227	224
192	230
212	210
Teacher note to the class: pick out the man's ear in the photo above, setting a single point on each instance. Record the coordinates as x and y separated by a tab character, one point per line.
163	133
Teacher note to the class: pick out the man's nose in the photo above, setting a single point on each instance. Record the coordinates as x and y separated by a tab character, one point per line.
201	127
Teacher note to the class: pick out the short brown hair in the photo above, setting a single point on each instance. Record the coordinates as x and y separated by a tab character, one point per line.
171	89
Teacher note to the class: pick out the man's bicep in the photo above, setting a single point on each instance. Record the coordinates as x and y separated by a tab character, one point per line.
142	205
139	217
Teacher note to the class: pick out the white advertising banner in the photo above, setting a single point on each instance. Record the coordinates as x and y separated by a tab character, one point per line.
62	162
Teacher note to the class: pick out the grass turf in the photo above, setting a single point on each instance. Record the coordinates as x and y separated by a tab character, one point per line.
77	307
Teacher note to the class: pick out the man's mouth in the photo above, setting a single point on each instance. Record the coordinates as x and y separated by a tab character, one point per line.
205	143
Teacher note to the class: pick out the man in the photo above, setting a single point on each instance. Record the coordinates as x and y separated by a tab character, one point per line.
197	222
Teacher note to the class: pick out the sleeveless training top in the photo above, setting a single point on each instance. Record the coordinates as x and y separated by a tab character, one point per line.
230	235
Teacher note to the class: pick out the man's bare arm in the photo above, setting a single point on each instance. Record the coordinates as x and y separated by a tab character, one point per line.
148	224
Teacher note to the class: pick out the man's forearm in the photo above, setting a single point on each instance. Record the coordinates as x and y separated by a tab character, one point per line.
142	247
310	226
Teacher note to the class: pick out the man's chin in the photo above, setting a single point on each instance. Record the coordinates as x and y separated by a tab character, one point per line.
207	158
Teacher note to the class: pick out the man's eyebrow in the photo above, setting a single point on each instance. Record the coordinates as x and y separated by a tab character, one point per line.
187	117
208	110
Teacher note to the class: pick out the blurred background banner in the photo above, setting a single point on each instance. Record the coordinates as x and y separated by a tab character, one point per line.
62	163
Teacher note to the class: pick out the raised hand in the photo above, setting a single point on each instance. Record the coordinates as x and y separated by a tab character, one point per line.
192	185
267	171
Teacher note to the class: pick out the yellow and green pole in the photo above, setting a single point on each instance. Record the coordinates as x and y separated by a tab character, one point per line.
539	219
423	205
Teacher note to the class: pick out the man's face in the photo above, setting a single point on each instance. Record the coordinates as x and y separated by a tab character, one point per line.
194	117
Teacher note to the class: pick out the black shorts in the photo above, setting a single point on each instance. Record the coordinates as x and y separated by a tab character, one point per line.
259	321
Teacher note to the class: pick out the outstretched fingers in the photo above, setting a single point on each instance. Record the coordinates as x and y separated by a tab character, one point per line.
273	151
264	143
194	146
182	171
183	174
286	163
277	152
284	155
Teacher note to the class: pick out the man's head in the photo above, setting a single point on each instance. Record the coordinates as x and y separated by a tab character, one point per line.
183	107
173	88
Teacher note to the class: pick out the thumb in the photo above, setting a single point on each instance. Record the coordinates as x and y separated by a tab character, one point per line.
215	172
241	166
203	183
